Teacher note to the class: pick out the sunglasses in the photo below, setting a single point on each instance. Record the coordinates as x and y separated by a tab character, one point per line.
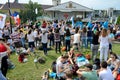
111	57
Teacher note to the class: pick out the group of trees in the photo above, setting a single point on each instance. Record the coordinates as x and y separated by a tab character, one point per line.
31	11
118	20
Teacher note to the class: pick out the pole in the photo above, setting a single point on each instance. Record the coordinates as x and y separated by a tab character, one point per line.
10	17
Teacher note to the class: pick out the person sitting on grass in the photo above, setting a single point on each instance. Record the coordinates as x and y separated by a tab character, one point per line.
114	64
60	66
105	73
69	75
87	73
4	54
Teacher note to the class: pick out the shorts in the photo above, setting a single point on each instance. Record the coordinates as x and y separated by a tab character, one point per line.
17	44
31	44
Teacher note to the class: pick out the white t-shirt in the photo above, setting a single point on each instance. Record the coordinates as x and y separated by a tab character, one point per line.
76	38
30	37
58	65
104	41
106	75
44	38
35	33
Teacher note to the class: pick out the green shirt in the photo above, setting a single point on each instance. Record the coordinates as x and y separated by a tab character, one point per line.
92	75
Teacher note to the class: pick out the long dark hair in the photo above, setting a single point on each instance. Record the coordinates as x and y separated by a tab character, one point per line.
30	31
67	32
84	30
57	30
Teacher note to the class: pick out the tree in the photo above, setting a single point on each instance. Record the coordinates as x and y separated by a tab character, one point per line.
29	12
118	20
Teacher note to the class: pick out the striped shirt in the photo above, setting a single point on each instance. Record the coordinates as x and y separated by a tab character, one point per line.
15	37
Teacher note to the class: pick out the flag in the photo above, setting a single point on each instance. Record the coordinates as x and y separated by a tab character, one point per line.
79	24
105	25
89	16
16	18
72	19
2	20
111	19
115	20
89	25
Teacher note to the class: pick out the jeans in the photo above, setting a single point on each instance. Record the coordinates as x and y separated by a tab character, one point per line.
62	39
51	42
23	42
57	46
2	77
84	42
89	39
67	45
94	49
44	45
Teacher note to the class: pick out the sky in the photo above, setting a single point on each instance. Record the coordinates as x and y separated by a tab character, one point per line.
94	4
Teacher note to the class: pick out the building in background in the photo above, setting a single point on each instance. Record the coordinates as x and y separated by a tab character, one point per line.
66	10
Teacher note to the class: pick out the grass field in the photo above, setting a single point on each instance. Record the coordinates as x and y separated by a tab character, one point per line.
28	70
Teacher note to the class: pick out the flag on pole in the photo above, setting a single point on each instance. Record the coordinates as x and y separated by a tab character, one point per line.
2	20
16	17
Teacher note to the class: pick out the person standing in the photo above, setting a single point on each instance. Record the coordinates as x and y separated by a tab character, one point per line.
84	37
76	39
111	36
30	37
104	45
57	40
22	35
95	44
44	40
67	39
15	36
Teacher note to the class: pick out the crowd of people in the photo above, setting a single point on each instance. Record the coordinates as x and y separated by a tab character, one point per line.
59	34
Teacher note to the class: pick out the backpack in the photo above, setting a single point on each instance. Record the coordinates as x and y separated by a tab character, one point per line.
41	60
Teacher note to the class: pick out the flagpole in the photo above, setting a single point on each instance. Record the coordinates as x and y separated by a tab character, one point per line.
10	17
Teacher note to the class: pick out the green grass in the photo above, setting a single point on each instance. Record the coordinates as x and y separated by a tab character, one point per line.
28	70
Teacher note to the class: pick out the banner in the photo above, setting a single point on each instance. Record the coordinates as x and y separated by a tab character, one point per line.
2	20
